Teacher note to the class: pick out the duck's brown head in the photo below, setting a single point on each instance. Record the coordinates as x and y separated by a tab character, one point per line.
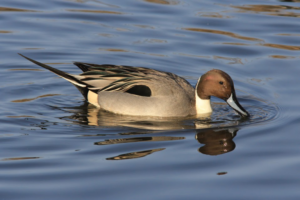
219	84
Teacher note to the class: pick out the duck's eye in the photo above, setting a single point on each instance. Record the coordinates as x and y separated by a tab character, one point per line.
221	82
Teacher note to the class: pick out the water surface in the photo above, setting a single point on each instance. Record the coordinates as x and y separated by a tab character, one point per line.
54	145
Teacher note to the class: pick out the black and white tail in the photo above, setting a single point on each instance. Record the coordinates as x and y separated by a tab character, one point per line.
81	86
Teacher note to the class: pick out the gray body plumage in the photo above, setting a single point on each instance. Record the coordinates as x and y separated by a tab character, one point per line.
132	90
170	95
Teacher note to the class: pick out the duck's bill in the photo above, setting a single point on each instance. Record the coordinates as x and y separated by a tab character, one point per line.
233	103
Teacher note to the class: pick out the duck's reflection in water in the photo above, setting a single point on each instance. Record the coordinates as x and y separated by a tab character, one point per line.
138	154
216	141
139	139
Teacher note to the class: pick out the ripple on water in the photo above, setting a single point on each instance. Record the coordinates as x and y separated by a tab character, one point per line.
223	116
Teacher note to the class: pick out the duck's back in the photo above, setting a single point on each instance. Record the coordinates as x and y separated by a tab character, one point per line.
166	95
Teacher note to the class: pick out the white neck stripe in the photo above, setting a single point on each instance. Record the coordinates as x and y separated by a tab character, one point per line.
202	105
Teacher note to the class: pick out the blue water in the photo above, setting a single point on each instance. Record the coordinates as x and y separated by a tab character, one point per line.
55	146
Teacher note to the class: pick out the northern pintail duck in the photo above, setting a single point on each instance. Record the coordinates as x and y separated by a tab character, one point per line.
147	92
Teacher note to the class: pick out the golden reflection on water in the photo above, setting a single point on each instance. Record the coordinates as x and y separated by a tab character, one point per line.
230	34
213	15
19	158
5	32
97	11
31	99
164	2
282	57
5	9
281	46
277	46
235	43
233	35
114	50
275	10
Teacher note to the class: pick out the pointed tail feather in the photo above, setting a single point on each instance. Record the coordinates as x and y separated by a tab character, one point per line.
62	74
82	87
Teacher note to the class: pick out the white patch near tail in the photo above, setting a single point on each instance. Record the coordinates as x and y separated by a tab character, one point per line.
202	105
92	98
